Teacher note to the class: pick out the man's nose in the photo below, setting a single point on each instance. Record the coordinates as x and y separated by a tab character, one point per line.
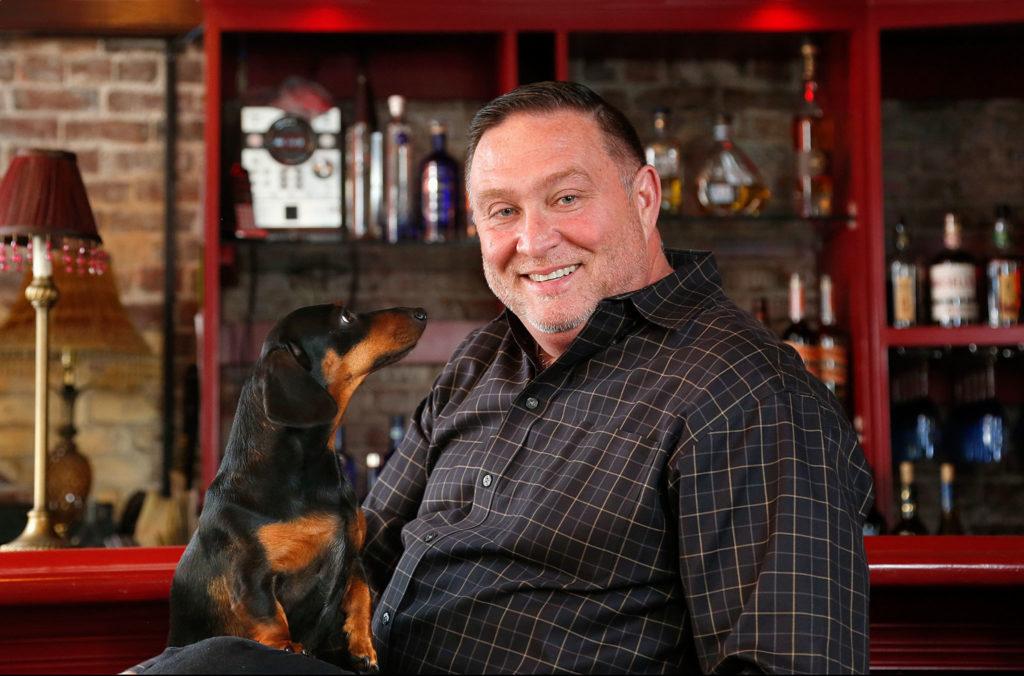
536	236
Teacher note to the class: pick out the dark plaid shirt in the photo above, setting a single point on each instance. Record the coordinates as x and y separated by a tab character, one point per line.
674	493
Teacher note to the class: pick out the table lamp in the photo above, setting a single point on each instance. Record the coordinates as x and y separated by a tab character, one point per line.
89	323
45	218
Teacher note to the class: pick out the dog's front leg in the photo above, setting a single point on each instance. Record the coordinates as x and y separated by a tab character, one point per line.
357	604
260	615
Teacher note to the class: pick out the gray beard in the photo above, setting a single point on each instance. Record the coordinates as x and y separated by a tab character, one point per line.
568	325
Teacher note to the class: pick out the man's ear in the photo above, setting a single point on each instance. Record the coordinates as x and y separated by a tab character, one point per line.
290	394
647	196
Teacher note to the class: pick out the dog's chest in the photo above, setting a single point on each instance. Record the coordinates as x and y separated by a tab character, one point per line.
293	546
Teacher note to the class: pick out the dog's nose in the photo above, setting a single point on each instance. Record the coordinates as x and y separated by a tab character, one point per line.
419	314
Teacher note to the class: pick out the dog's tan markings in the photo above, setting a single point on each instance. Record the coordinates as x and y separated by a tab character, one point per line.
357	621
275	633
238	622
357	530
291	546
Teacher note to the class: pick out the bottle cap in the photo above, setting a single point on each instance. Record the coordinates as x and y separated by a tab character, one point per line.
396	105
438	127
373	460
946	472
951	231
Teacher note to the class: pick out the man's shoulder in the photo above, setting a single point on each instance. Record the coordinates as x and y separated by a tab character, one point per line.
727	353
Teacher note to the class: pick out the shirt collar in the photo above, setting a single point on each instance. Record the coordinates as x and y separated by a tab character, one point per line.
693	285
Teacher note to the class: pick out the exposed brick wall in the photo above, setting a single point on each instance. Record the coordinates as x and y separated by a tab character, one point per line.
104	100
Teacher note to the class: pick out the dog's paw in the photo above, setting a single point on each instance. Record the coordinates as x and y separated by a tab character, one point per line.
293	647
364	664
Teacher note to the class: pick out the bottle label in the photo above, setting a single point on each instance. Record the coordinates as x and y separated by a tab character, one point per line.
1004	292
954	295
904	301
832	365
809	355
438	202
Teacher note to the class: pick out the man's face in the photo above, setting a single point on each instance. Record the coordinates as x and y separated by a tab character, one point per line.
558	228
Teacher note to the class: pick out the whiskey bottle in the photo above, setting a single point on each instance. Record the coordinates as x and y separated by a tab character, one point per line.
798	333
397	173
903	281
910	522
811	144
729	182
949	520
760	311
953	277
1003	274
832	346
665	154
439	191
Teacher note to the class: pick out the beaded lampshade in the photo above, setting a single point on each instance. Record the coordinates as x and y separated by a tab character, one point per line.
45	218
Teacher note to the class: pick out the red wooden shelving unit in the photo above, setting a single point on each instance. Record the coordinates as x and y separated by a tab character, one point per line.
936	602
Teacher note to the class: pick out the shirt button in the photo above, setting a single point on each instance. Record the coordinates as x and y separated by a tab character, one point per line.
487	480
428	537
385	618
532	403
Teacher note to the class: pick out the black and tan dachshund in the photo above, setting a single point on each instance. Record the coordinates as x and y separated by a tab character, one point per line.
276	556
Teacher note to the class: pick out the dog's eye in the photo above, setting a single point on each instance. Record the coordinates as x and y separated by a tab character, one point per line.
346	317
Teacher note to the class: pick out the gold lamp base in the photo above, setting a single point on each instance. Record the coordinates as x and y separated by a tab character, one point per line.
37	535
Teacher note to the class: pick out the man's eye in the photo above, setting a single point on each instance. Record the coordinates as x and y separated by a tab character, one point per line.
566	200
507	212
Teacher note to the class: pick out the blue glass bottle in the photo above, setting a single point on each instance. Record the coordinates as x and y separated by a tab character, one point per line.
980	428
396	432
345	462
916	432
439	190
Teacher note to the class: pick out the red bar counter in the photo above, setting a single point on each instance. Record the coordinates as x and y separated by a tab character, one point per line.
936	603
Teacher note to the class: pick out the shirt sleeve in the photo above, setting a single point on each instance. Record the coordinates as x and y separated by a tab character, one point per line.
771	495
395	498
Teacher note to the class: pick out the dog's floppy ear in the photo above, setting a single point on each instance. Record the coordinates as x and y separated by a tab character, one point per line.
290	394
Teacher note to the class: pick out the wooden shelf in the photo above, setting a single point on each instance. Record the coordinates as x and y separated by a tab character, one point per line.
935	336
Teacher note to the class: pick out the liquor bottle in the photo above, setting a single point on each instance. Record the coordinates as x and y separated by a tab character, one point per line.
729	182
874	524
1003	274
346	463
903	281
949	521
953	276
832	346
799	334
357	165
910	522
915	426
396	432
665	154
979	418
439	193
760	311
811	144
373	467
397	173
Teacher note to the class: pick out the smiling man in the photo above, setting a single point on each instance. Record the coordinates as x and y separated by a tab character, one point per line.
623	472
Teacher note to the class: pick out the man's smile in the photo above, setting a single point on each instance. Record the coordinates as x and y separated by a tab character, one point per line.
554	274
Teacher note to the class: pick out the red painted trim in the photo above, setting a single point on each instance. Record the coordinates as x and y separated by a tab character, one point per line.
508	67
210	364
889	14
81	576
935	336
968	560
561	56
87	575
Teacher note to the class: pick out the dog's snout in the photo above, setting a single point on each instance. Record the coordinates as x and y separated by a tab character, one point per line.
419	314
